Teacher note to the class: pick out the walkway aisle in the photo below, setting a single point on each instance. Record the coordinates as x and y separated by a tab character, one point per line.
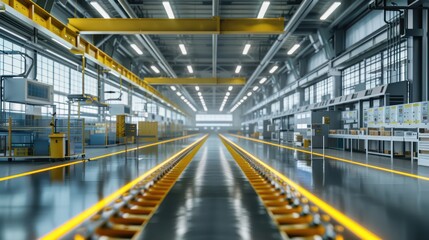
211	200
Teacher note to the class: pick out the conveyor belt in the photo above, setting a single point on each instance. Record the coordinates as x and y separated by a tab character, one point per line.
298	213
212	200
126	211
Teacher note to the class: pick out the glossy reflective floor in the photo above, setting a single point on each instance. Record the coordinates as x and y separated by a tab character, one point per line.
211	200
390	205
34	205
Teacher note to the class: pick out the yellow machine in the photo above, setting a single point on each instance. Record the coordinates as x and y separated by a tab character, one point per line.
58	145
148	131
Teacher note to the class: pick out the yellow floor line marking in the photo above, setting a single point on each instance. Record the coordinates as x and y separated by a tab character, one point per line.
92	159
347	222
338	159
76	220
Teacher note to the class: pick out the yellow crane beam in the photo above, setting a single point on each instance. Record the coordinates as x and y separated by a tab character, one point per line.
213	25
196	81
29	12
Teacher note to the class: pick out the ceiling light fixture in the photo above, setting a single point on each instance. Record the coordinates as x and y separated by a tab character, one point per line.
178	94
255	88
230	88
199	94
293	49
137	49
263	9
249	94
190	70
183	49
173	88
155	69
246	49
330	10
168	9
197	88
99	9
263	80
238	69
273	69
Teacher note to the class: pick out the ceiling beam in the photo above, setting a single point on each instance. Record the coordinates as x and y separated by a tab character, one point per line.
196	81
214	25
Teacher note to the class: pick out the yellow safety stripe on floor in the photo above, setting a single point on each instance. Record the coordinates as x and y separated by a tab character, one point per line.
92	159
124	213
336	158
293	208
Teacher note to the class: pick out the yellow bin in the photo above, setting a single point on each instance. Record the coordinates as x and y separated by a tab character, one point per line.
57	146
307	143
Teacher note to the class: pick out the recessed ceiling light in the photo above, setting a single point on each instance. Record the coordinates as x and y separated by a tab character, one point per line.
178	94
99	9
246	49
273	69
263	80
330	10
263	9
155	69
199	94
197	88
137	49
190	70
293	49
230	88
173	88
228	93
249	94
255	88
168	9
183	49
238	69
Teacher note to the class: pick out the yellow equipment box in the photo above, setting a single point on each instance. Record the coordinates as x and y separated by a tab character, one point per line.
57	146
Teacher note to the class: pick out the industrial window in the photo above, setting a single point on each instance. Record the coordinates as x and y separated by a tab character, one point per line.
373	71
395	64
75	82
114	97
275	107
351	78
324	89
91	85
214	117
309	94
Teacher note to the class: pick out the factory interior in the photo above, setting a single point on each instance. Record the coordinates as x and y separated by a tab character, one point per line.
214	119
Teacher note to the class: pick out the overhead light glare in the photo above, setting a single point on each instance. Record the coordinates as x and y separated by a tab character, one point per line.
230	88
155	69
178	94
293	49
99	9
255	88
190	70
199	94
13	34
183	49
228	93
263	9
273	69
168	9
197	88
173	88
249	94
60	43
263	80
137	49
330	10
246	49
238	69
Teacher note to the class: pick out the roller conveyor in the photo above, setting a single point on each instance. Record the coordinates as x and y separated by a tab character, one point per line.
214	198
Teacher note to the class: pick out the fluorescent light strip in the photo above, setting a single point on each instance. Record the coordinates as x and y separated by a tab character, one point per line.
263	9
246	49
263	80
255	88
168	9
173	88
273	69
183	49
99	9
190	70
249	94
155	69
60	43
238	69
137	49
13	34
293	49
330	10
